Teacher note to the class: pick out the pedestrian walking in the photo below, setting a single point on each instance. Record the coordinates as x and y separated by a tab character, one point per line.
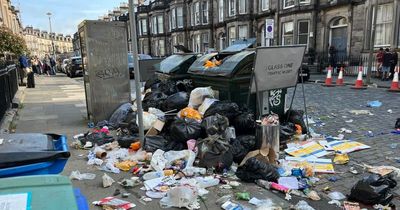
387	56
46	65
23	64
53	66
35	65
393	62
30	83
379	60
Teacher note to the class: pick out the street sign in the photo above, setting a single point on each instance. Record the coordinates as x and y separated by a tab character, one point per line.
269	28
277	67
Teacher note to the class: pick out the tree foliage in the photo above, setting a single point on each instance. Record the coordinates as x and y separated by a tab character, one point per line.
11	43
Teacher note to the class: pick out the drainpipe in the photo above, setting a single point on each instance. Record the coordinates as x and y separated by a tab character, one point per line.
372	42
278	24
316	11
212	24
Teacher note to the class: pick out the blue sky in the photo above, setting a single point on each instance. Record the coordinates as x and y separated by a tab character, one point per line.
67	14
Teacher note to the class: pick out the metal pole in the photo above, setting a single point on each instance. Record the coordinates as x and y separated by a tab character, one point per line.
52	43
132	22
372	42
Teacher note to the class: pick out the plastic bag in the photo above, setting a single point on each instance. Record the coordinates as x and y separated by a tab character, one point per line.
302	205
184	129
167	87
120	115
397	125
206	104
255	169
182	196
286	132
187	155
78	176
190	113
158	160
336	195
373	189
215	151
238	151
156	112
227	109
198	95
153	99
153	143
176	101
245	123
215	124
148	120
296	117
107	180
115	203
175	146
248	141
126	141
98	138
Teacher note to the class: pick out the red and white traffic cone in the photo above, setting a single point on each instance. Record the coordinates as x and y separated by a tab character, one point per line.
395	83
359	81
339	80
328	80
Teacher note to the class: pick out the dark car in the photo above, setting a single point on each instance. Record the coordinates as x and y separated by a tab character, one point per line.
131	65
74	67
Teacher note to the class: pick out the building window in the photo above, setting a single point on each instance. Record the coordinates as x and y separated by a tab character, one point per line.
192	15
205	12
221	10
384	25
232	35
170	21
287	33
161	46
173	18
262	36
242	6
154	25
221	41
243	31
144	26
264	5
205	41
303	30
196	43
197	13
160	22
179	15
232	7
288	3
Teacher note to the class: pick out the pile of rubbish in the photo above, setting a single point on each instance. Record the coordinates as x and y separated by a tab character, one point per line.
194	142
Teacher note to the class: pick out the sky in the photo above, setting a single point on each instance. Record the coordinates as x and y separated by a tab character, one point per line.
66	14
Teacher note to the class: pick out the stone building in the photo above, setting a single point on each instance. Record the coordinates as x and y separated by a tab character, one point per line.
39	42
9	17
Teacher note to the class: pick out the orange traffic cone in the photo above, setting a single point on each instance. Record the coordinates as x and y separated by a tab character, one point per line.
395	83
328	80
339	80
359	81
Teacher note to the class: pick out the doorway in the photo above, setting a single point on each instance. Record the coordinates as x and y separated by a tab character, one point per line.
338	36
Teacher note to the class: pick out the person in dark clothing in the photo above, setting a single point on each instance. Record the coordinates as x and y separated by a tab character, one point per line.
23	64
386	64
393	62
379	60
332	58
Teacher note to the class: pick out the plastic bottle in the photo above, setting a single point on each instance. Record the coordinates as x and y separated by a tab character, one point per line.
205	182
157	174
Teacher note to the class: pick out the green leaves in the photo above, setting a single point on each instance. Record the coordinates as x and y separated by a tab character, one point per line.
11	43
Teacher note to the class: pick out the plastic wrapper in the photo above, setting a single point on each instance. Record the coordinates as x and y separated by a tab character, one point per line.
286	132
373	189
152	143
126	141
215	151
156	112
167	87
158	161
227	109
206	104
148	120
336	195
114	203
81	176
182	130
272	119
198	95
121	115
153	99
254	169
181	197
238	151
125	165
215	124
107	180
302	205
176	101
190	113
245	123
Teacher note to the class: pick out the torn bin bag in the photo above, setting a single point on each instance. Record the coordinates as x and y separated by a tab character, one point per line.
215	151
373	189
227	109
245	123
255	169
215	124
185	129
176	101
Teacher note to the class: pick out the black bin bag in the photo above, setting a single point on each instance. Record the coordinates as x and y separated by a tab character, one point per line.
255	169
182	130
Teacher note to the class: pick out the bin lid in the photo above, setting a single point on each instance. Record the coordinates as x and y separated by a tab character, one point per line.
239	45
230	65
173	63
26	142
35	191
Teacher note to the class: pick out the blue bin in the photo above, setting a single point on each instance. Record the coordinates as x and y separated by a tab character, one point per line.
36	154
81	200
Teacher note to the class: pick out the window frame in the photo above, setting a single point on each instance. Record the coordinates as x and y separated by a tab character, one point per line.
179	17
264	3
232	8
160	24
144	26
230	38
287	7
204	12
245	7
283	32
302	34
390	24
197	16
247	31
221	10
173	18
305	2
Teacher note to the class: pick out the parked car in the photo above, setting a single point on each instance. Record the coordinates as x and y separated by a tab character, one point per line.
64	65
131	65
74	67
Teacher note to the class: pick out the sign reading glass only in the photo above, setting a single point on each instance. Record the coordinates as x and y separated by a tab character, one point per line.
277	67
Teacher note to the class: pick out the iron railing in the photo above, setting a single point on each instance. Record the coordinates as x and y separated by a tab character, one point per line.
8	87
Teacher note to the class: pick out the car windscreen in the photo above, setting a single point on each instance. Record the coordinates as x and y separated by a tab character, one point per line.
77	61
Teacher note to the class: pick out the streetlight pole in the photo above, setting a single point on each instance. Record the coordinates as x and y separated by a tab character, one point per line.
52	42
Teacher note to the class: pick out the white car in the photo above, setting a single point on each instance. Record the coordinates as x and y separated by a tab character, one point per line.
63	65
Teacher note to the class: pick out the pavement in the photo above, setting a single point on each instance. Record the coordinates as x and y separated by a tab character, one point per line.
57	105
350	80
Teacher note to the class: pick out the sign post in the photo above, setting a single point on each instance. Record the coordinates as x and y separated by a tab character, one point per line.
269	31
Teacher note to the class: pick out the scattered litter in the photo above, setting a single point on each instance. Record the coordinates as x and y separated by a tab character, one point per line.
224	199
146	199
344	130
302	205
319	165
107	181
361	112
336	195
182	196
347	205
335	202
393	145
114	203
349	121
76	175
374	104
242	196
353	171
117	192
333	179
125	195
341	159
290	182
229	205
369	134
347	146
127	183
309	149
390	111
